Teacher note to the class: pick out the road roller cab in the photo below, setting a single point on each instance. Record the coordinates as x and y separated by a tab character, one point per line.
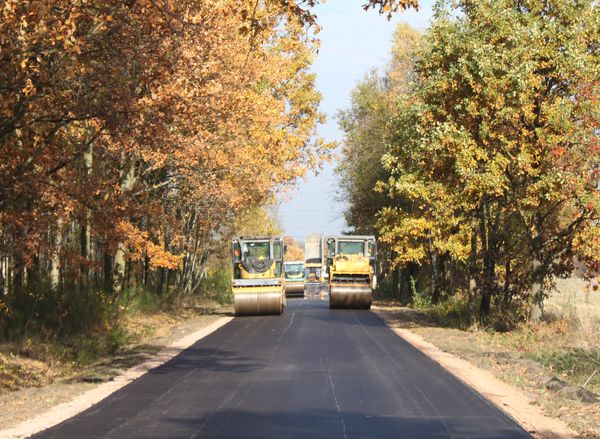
293	272
258	282
351	262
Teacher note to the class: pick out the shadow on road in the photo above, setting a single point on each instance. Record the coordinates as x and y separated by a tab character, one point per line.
209	359
329	423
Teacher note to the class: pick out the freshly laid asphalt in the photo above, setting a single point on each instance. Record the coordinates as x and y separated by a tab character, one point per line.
313	372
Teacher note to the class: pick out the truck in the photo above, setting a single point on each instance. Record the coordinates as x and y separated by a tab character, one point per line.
258	282
313	261
351	264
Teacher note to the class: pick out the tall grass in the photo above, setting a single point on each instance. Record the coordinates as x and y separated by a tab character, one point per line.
216	286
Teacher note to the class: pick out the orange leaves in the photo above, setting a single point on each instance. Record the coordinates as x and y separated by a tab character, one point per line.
139	244
154	116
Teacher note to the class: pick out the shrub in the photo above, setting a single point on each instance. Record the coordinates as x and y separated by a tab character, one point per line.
216	285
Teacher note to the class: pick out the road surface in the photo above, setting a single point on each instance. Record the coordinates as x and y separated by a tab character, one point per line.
312	372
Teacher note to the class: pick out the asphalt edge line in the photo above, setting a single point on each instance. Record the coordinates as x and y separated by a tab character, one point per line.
93	396
511	400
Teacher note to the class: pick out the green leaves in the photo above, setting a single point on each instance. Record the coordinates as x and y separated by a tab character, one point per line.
499	127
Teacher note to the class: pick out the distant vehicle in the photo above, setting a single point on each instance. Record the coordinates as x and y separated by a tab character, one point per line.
258	283
315	281
293	272
351	262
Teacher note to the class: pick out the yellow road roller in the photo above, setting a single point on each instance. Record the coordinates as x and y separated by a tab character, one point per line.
351	264
258	284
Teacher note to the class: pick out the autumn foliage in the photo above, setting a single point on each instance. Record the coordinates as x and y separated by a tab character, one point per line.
134	133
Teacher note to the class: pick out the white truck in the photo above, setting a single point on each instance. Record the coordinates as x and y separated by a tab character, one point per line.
315	281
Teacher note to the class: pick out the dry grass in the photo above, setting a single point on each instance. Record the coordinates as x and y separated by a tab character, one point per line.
36	362
577	302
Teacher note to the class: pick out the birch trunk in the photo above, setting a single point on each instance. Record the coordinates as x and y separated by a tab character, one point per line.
55	258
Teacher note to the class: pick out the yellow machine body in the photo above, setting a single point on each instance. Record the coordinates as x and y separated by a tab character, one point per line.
258	283
351	264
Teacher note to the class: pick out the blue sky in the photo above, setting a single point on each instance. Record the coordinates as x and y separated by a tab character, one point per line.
352	42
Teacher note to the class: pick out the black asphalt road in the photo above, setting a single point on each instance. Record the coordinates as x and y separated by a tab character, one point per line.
312	372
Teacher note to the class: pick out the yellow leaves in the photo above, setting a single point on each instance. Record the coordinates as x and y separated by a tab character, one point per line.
29	89
587	242
211	121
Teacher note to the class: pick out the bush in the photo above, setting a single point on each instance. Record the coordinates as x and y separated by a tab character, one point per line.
140	300
42	309
216	285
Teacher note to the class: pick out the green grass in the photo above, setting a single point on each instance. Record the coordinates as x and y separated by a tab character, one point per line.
576	365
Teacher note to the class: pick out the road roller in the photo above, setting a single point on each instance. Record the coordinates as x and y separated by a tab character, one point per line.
258	283
351	262
293	272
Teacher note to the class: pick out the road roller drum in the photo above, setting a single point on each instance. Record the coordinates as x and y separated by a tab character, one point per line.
259	302
350	296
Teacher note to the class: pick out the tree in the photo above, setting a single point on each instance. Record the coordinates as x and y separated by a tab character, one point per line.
366	126
511	109
492	156
294	252
133	134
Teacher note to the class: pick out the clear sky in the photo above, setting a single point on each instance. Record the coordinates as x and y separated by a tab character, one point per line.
352	42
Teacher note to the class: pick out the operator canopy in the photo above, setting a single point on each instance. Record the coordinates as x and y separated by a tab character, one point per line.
256	256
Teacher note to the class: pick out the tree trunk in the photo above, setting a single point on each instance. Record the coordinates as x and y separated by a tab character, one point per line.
55	258
396	293
145	270
18	273
488	247
537	291
6	275
86	232
435	284
118	269
507	278
85	240
127	184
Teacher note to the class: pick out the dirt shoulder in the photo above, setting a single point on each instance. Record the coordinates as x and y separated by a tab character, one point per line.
506	368
70	389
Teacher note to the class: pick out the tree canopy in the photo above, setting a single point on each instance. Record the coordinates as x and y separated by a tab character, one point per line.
492	154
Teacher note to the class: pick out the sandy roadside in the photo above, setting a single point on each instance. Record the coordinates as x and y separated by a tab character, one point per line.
508	398
29	411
